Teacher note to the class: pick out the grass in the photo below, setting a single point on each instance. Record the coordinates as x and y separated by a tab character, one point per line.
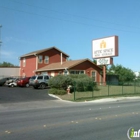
103	92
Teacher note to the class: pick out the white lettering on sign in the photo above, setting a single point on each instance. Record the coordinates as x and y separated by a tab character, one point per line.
105	47
103	61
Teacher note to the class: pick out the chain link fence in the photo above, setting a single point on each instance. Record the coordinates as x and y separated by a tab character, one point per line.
105	89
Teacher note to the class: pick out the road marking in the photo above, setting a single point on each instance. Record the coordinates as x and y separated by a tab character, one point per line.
67	123
8	132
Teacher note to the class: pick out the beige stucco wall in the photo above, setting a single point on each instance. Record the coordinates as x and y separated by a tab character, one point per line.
9	71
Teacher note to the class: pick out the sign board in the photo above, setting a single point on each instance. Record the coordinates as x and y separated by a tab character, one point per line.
105	61
105	47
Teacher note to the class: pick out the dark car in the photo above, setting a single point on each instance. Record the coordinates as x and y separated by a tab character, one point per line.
39	81
24	82
3	80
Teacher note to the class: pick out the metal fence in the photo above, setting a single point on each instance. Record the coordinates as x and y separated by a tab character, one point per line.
107	89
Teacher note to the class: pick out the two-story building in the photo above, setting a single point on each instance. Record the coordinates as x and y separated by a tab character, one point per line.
53	61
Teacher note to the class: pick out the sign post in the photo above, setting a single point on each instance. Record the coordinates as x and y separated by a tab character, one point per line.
103	50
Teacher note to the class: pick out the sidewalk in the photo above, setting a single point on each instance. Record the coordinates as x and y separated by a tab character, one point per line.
7	107
104	100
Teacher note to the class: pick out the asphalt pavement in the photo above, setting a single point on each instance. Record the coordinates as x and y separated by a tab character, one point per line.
23	94
78	121
30	114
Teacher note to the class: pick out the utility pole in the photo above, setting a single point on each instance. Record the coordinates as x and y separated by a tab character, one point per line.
0	41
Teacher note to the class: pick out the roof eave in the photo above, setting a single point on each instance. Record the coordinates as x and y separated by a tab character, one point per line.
52	69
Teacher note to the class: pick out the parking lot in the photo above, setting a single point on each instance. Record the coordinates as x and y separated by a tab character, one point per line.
22	94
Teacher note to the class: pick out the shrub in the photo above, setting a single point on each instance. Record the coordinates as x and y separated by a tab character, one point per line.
57	91
80	82
60	82
84	84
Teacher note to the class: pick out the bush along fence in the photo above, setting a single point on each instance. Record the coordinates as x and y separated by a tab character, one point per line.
85	90
83	87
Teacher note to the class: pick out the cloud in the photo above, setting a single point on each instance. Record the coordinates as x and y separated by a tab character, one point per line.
7	54
8	39
11	39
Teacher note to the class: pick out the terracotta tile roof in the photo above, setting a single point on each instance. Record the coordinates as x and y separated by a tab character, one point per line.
67	65
40	51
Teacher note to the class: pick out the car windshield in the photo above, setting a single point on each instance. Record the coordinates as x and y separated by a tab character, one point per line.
33	77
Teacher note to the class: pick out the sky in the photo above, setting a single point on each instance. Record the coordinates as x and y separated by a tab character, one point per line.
69	25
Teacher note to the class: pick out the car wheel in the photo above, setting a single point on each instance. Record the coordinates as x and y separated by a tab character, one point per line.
12	85
42	86
27	85
35	87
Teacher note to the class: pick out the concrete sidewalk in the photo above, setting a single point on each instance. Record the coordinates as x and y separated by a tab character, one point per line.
7	107
104	100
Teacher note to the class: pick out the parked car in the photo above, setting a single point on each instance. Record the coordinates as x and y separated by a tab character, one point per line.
23	82
12	82
39	81
3	80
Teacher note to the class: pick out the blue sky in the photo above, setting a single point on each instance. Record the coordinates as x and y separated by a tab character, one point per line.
70	25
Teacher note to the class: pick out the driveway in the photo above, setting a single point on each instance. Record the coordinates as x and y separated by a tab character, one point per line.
19	94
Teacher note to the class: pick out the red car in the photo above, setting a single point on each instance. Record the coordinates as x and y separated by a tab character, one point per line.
24	82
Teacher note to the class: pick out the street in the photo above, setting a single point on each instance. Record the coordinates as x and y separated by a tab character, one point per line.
22	94
70	121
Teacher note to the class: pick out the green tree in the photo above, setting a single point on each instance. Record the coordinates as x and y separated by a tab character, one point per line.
125	74
95	61
6	64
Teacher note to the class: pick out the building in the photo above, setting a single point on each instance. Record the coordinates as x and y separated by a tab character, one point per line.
53	61
9	71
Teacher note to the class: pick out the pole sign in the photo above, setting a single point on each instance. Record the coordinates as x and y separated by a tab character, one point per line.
105	47
104	61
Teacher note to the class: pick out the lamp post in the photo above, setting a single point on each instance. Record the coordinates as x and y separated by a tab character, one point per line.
0	40
0	34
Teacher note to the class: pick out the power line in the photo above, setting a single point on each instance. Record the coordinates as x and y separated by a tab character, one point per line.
67	20
74	15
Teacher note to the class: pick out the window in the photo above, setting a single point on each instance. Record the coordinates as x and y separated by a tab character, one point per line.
46	77
44	73
24	62
40	77
77	72
94	76
46	60
40	59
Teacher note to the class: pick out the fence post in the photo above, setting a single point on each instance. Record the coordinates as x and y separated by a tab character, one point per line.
134	87
92	89
122	88
108	88
74	90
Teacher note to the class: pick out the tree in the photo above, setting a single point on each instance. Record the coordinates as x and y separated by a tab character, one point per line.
95	61
125	74
6	64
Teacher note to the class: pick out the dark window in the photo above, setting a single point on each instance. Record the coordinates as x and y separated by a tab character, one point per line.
46	77
40	77
33	77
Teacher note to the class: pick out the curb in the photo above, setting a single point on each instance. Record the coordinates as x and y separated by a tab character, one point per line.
99	100
54	96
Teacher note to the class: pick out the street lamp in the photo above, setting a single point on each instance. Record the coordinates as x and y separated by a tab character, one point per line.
0	33
0	39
